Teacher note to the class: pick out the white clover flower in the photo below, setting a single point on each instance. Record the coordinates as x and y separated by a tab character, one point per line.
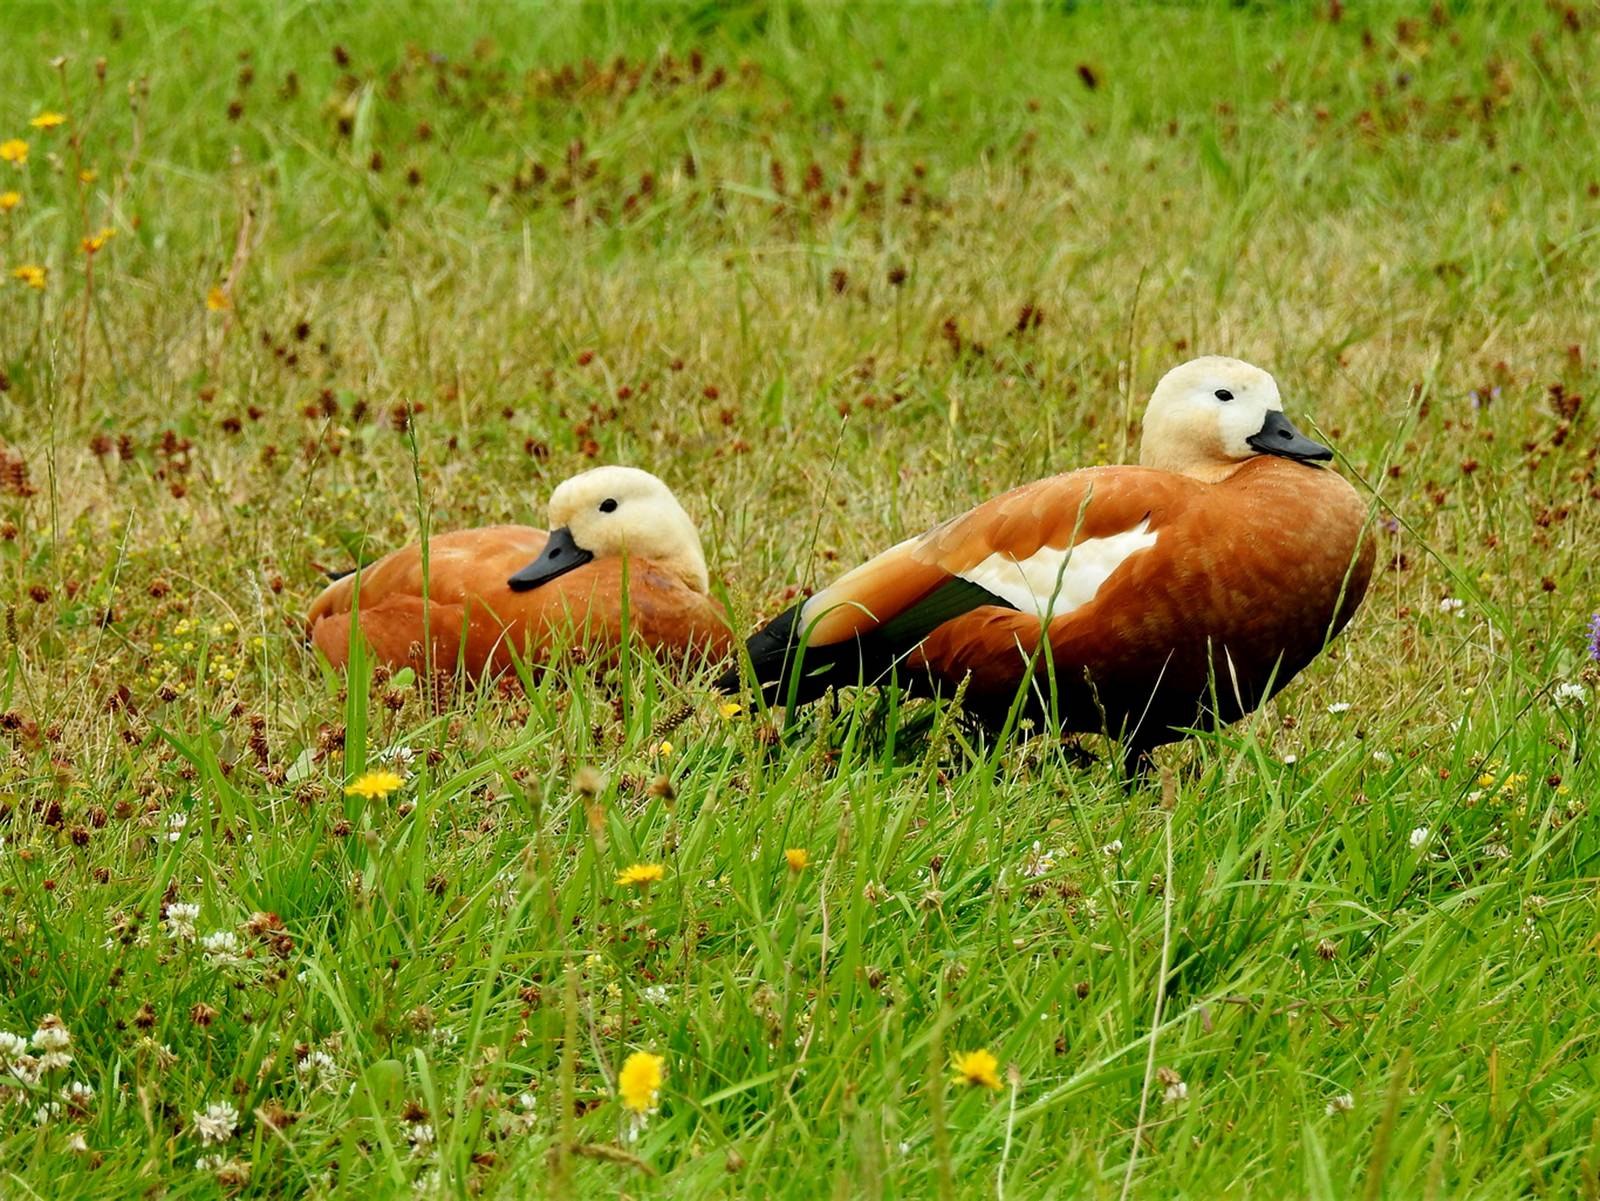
318	1067
78	1144
12	1045
1037	861
1452	605
1175	1092
26	1069
51	1035
421	1136
54	1061
1290	760
174	831
400	757
524	1118
221	948
47	1113
1570	693
179	922
216	1123
1419	836
1339	707
78	1093
1114	847
656	994
1343	1103
209	1163
1383	758
1496	850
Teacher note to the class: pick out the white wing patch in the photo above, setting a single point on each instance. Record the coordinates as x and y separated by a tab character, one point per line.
1052	580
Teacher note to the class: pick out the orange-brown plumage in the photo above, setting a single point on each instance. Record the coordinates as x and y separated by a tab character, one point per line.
474	619
1230	566
1270	562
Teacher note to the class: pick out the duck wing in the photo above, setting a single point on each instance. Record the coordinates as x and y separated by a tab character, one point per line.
1040	550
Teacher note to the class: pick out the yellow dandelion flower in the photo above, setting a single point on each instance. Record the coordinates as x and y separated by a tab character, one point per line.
375	785
975	1069
91	245
641	874
730	709
30	274
9	200
48	120
639	1082
799	858
14	150
217	300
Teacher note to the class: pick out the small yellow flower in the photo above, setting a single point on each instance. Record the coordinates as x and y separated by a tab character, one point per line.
91	245
730	709
639	1082
88	175
217	300
665	750
375	785
14	150
799	858
48	120
975	1069
641	874
31	274
10	200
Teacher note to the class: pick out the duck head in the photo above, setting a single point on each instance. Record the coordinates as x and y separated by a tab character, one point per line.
1209	415
614	511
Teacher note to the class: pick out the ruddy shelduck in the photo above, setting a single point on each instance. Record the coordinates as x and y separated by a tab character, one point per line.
1180	593
620	550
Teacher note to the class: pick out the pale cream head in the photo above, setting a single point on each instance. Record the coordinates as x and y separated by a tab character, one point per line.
622	510
1202	415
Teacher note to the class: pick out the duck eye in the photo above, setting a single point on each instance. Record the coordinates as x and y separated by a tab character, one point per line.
1223	394
608	505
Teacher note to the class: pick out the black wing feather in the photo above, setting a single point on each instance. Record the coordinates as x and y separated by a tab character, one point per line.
784	670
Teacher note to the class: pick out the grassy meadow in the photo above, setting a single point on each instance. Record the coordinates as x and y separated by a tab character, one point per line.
290	282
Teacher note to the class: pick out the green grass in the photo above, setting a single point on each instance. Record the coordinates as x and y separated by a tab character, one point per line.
601	257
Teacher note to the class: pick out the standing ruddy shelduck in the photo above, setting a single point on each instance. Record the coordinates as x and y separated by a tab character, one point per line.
619	540
1179	593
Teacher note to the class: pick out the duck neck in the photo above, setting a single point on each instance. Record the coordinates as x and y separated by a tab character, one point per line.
689	566
1206	470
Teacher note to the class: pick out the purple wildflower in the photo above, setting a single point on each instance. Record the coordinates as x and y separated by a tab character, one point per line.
1594	637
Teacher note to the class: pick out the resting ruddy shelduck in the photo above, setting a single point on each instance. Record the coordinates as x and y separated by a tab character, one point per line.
619	540
1180	593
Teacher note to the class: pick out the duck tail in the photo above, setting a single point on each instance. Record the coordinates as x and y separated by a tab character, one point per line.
788	671
769	650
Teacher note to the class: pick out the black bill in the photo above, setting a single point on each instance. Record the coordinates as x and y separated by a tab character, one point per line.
1279	437
561	555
